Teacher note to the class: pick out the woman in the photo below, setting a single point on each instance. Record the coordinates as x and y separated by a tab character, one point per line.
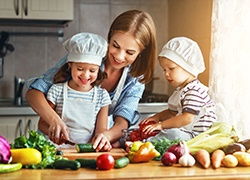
129	64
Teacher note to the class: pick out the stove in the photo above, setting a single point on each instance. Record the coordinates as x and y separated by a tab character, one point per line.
154	98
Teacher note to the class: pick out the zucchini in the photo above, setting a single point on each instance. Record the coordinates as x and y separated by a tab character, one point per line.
121	162
82	148
66	164
88	163
5	168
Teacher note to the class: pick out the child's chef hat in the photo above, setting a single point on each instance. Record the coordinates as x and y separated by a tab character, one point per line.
86	48
186	53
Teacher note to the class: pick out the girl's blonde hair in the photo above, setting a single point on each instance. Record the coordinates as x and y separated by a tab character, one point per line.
140	24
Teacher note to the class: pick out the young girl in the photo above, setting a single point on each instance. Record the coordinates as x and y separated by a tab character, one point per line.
76	97
190	109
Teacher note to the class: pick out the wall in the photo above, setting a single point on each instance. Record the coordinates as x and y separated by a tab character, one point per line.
34	55
192	18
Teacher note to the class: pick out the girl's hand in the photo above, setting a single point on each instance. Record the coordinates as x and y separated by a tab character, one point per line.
150	128
58	132
101	143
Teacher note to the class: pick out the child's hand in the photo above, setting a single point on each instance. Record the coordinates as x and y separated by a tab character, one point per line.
152	118
151	128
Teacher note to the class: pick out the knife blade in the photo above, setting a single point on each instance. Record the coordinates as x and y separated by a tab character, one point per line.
69	142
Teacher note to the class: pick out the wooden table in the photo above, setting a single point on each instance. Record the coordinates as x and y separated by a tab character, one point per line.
149	170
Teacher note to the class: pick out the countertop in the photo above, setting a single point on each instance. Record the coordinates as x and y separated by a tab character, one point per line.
149	170
11	110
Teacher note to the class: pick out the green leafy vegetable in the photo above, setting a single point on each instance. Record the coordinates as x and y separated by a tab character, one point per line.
161	145
39	142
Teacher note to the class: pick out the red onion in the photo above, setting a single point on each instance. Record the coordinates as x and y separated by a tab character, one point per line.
177	149
168	159
5	154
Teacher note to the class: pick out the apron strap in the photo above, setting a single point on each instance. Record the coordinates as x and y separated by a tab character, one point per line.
120	85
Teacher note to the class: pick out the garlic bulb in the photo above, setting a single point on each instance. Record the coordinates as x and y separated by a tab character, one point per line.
186	159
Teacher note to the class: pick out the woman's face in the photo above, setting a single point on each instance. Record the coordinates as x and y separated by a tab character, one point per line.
123	50
174	74
83	75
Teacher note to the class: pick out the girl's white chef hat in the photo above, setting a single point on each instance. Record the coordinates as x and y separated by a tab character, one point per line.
186	53
86	48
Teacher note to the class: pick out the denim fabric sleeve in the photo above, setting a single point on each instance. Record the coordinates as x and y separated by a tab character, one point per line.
128	101
44	82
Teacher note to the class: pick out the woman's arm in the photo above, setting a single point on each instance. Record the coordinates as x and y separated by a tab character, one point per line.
41	106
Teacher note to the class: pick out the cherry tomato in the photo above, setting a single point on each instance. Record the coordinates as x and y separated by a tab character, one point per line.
105	162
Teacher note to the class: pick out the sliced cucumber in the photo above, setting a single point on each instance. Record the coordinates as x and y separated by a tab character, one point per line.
82	148
88	163
5	168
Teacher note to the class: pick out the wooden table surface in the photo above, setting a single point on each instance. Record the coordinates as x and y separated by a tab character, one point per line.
136	171
149	170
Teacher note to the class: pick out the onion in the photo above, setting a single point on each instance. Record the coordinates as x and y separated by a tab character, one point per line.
177	149
168	159
5	154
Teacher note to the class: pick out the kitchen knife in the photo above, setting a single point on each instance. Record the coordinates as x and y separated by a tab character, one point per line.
69	142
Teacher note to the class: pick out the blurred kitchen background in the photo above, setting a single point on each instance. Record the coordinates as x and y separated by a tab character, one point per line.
37	48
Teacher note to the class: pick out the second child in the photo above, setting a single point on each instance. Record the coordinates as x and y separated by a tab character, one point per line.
190	109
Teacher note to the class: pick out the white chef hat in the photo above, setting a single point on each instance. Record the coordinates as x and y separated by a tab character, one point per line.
186	53
86	48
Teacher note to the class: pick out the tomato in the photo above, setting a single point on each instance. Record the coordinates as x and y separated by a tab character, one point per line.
135	135
105	162
142	126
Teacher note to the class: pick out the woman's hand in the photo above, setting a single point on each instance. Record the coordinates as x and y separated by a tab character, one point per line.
101	143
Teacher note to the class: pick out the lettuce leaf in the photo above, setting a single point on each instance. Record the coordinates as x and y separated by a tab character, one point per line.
39	142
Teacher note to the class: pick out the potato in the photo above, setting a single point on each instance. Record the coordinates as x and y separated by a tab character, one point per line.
230	161
243	158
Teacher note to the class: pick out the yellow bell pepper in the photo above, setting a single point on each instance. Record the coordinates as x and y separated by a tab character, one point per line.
145	153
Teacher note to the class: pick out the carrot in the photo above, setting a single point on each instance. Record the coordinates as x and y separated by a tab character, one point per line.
217	157
203	157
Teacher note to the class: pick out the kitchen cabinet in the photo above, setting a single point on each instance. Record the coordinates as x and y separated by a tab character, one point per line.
37	9
12	127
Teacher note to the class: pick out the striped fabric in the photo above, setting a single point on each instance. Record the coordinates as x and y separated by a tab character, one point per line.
194	98
55	95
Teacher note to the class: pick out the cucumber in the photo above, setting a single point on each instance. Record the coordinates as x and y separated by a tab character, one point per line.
88	163
66	164
121	162
5	168
82	148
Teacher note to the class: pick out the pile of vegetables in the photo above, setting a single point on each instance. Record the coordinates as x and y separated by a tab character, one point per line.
39	142
220	135
6	157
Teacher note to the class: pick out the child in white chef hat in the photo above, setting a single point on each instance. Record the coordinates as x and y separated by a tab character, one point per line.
190	109
76	96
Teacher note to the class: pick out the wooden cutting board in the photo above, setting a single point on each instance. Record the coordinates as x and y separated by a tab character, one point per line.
72	154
